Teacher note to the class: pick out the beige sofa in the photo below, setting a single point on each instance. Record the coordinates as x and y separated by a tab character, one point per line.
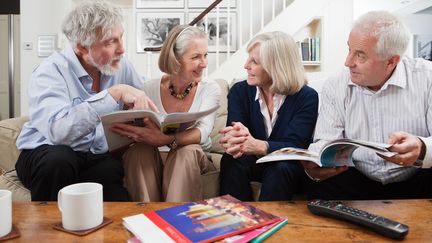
10	129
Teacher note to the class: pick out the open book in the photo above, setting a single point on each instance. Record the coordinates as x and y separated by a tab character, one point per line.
203	221
170	123
335	153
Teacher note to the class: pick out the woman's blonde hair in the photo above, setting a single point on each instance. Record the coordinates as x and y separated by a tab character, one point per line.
175	45
280	58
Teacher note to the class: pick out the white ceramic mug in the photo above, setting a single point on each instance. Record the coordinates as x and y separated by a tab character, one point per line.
81	205
5	212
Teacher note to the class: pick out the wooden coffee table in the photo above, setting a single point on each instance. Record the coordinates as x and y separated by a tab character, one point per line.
35	220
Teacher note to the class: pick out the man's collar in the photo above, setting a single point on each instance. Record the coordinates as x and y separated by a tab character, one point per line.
398	77
74	63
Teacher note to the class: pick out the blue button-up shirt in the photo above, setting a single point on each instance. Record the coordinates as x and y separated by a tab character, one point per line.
64	110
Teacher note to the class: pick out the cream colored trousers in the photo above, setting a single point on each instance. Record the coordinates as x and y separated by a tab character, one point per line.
178	179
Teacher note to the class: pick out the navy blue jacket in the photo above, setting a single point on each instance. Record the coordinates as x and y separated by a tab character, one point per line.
294	126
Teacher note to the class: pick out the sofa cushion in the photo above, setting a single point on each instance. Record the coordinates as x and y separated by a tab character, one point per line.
10	181
9	131
221	117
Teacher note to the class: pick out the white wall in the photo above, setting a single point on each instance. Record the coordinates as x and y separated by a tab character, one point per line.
41	17
45	17
416	23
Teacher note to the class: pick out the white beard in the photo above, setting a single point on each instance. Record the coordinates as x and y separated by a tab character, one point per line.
106	69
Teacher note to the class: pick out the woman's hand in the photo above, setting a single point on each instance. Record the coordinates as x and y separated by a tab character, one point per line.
232	140
237	141
150	133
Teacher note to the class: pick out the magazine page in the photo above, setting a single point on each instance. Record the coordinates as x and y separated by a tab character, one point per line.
337	154
180	121
290	154
115	141
133	117
380	148
208	220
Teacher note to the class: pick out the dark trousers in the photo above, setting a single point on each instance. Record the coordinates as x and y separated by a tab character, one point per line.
280	180
48	168
353	185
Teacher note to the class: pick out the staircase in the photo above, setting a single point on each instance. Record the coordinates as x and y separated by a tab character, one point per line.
232	68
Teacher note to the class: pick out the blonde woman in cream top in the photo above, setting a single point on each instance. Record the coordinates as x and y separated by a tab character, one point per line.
176	178
206	97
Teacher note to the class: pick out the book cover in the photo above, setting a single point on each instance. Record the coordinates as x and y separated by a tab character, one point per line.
203	221
305	54
335	153
170	123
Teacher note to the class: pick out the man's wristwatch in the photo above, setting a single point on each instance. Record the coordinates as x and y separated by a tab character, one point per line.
173	144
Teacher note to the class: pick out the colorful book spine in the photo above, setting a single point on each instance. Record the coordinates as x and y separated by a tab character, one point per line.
268	233
248	236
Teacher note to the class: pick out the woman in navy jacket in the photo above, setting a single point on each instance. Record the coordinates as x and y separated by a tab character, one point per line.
272	109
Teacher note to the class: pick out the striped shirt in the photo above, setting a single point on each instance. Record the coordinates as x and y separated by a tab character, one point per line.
404	103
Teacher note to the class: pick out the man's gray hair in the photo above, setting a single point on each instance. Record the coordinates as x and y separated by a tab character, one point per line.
391	33
90	21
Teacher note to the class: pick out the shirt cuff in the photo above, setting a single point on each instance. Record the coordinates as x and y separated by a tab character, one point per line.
427	161
103	102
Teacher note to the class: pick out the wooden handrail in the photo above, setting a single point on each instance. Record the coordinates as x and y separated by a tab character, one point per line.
193	22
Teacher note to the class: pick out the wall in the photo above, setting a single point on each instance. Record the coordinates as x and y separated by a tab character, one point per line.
146	63
37	18
45	17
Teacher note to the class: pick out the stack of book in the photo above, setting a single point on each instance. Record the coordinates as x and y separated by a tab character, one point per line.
224	219
310	49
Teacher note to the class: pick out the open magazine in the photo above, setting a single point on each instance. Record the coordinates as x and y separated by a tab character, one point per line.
335	153
169	123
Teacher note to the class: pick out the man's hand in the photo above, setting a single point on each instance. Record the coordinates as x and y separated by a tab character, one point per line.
409	148
132	97
322	173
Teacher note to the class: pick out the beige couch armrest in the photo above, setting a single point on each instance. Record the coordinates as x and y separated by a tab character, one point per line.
9	131
221	116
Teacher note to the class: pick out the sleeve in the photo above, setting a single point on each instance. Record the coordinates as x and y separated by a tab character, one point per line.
427	161
298	131
60	118
331	120
209	99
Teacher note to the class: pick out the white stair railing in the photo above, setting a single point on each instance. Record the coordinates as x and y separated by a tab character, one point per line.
233	68
230	24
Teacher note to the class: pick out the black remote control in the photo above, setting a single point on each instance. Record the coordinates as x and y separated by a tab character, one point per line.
379	224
